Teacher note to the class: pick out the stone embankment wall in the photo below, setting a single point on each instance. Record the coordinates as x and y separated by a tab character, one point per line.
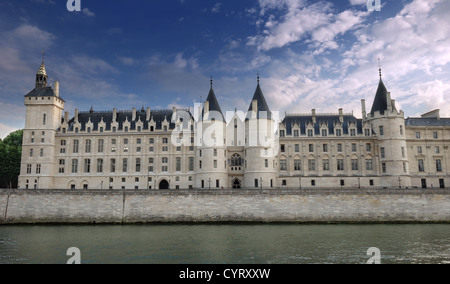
296	206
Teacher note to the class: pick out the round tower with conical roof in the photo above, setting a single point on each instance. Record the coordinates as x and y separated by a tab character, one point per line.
260	144
211	153
388	125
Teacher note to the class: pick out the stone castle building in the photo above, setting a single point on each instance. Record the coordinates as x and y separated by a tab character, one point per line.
171	149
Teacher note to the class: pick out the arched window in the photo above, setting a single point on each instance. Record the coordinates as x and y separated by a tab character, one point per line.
236	160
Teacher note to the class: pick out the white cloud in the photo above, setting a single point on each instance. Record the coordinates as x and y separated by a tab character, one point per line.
88	12
5	130
302	21
216	8
414	46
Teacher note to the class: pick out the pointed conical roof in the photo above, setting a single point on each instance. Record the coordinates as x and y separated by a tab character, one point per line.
262	105
381	99
213	103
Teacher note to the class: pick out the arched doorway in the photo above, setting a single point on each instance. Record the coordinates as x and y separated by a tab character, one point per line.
164	184
236	184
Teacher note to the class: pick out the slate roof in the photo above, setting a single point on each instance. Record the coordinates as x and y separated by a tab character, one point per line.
427	121
41	92
380	102
262	103
213	103
158	116
303	121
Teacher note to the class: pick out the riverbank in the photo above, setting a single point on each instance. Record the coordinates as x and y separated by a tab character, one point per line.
224	206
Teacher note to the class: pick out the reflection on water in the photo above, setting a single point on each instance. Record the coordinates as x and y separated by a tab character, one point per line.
226	244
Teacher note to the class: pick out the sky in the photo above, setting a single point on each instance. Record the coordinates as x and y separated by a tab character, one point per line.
321	55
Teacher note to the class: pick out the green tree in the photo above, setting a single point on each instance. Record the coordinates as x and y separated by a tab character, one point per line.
10	156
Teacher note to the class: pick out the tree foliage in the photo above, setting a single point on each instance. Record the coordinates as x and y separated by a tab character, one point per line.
10	156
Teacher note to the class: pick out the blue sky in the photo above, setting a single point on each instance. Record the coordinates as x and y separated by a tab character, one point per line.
319	55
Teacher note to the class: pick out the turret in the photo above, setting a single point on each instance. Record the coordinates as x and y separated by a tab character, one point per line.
259	151
211	151
389	126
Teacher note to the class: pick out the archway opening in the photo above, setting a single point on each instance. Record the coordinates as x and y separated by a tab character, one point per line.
236	184
164	184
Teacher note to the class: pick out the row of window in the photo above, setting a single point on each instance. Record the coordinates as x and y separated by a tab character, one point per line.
324	132
437	150
421	165
326	165
113	165
101	145
325	148
435	135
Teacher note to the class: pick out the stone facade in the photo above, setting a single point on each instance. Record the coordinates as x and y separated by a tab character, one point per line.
199	149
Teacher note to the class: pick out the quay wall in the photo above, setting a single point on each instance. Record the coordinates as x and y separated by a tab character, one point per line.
210	206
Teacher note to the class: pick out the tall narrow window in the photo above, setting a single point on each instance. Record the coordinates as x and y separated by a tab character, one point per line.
191	164
100	145
99	165
354	165
138	165
297	165
113	166
421	165
438	165
178	164
87	165
75	146
340	164
44	119
369	164
38	169
88	146
326	164
381	130
74	166
311	165
124	165
283	165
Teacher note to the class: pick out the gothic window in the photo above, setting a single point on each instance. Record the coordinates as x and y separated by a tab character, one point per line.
236	160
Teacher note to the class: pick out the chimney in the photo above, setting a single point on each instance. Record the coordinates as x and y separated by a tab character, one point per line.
314	120
255	108
56	88
76	115
206	107
363	107
133	116
148	114
114	118
393	105
66	117
341	115
389	102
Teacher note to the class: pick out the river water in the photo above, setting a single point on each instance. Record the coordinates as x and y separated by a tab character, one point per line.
226	244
